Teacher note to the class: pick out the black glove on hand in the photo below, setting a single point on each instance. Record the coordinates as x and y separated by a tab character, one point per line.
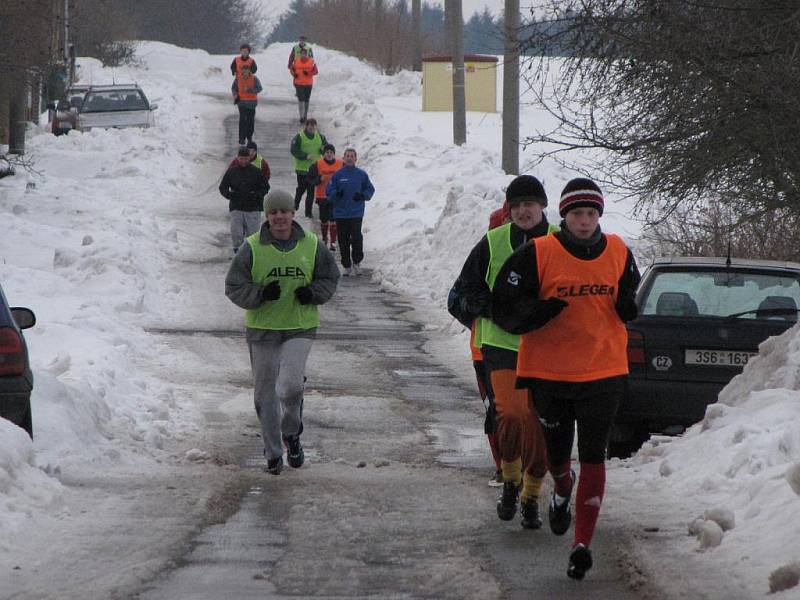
547	310
271	291
358	197
304	295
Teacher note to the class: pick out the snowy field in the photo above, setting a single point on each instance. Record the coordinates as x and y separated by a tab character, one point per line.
85	243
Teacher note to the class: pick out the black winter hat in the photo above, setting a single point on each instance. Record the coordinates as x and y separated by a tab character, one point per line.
247	46
327	147
525	187
243	151
578	193
252	145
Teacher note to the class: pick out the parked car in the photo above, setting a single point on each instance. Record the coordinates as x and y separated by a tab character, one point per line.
115	106
65	117
700	321
16	379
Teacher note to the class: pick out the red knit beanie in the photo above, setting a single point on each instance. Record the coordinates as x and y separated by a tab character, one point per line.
578	193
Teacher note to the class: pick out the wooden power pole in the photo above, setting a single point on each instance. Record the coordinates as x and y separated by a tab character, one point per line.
456	26
510	158
416	25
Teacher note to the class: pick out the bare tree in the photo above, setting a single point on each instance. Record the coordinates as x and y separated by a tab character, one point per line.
456	30
693	103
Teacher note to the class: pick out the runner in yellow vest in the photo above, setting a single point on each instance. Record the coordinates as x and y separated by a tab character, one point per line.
306	149
519	438
280	277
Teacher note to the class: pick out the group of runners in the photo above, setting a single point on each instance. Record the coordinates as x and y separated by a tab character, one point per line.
547	307
546	304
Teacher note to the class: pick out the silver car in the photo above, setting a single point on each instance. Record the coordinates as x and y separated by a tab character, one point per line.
115	106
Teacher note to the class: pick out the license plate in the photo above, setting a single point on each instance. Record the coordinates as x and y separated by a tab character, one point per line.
725	358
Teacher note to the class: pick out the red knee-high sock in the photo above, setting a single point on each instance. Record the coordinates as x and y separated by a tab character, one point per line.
495	448
562	478
333	231
591	485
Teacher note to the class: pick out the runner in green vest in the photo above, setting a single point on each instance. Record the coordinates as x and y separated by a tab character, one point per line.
280	277
520	442
295	51
306	149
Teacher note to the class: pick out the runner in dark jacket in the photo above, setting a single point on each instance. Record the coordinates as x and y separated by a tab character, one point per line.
245	187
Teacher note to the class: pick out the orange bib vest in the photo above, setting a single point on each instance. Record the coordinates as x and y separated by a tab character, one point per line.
325	171
245	83
587	340
240	62
298	66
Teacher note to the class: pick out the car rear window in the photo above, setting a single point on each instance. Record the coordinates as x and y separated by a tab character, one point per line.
722	293
114	100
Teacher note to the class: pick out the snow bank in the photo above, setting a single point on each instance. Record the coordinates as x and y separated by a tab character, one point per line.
739	469
83	246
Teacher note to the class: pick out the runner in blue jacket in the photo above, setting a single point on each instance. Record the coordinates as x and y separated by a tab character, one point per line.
348	189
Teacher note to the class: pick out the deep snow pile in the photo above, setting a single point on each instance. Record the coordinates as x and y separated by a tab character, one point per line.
83	246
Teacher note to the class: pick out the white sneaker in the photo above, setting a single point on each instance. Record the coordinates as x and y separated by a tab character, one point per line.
348	272
357	269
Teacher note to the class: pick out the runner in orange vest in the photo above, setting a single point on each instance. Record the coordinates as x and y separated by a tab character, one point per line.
303	70
243	59
319	174
245	90
569	295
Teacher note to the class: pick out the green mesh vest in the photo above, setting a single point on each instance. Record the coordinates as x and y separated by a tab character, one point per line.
313	150
293	269
499	250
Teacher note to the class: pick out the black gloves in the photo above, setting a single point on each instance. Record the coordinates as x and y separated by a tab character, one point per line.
548	309
271	291
304	295
358	197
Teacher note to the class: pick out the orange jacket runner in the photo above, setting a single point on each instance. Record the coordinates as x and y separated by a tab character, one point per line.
587	340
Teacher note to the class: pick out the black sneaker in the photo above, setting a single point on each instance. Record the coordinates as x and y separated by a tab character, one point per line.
294	452
274	466
559	515
507	504
529	510
580	561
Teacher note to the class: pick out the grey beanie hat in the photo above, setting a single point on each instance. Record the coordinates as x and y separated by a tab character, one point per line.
278	200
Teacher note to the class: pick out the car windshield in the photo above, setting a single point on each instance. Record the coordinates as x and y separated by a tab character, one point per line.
114	100
745	294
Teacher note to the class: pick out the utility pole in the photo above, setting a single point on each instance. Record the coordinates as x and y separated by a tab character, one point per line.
416	25
510	158
66	30
456	22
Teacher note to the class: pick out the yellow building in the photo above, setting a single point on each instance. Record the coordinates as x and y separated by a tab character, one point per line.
480	80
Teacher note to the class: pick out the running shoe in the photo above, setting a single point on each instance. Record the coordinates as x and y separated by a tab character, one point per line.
580	561
507	504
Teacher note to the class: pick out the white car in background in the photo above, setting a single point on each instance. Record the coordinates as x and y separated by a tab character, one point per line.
115	106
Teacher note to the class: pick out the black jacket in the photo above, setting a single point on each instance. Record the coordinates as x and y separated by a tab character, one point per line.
477	297
516	305
245	188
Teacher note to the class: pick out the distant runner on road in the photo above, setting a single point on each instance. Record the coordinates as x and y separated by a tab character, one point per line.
280	277
306	149
245	89
245	187
349	188
303	70
243	59
318	176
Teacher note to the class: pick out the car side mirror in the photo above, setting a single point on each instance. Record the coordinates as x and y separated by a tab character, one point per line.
153	106
24	317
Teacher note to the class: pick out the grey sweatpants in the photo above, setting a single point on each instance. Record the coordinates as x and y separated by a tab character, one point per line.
278	371
243	224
